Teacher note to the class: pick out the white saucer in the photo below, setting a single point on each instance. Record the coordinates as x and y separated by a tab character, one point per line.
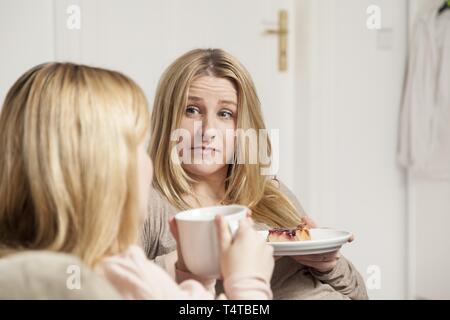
322	240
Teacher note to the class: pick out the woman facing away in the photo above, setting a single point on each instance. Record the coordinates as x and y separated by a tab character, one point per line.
202	97
74	178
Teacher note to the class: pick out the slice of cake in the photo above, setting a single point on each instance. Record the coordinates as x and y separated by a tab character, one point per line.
300	233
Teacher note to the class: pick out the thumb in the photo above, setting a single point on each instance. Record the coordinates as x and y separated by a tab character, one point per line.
244	225
223	233
352	238
309	222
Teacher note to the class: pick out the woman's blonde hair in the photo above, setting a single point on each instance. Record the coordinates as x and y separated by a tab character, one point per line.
68	165
244	184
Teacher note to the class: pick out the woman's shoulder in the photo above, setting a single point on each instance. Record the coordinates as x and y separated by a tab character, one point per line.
158	203
154	235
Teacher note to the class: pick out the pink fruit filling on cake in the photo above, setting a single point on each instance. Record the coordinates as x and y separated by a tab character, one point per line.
300	233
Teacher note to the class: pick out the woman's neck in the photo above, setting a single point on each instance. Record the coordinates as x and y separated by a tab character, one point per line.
209	190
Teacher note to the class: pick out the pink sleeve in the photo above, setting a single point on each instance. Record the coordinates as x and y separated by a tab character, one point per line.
182	277
240	287
136	277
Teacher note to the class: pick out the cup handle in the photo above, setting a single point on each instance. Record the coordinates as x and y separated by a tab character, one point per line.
233	226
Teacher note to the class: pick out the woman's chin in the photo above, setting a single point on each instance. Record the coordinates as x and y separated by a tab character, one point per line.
204	170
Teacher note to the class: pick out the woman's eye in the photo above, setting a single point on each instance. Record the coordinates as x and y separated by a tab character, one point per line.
190	110
225	114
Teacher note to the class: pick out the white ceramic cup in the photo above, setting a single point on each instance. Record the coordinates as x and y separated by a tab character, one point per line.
198	236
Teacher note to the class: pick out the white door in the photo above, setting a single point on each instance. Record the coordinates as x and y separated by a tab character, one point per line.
142	37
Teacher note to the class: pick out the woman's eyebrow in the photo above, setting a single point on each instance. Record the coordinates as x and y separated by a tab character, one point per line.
194	98
222	101
228	102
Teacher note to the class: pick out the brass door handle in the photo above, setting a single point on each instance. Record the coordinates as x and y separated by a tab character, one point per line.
277	32
282	33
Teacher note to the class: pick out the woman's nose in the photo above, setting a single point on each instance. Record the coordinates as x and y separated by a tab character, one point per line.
209	129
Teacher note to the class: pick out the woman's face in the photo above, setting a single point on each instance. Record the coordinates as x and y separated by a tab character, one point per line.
145	176
209	116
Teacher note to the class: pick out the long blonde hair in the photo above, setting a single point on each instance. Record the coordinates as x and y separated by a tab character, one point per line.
244	184
68	163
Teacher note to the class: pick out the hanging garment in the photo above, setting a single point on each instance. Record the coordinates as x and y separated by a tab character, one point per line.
424	144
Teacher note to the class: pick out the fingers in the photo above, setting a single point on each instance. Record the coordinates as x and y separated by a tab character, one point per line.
352	238
224	234
249	213
270	251
244	226
309	222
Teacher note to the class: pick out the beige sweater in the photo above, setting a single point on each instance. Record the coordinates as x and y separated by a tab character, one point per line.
290	280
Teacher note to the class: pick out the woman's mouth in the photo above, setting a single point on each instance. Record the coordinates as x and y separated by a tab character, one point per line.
204	149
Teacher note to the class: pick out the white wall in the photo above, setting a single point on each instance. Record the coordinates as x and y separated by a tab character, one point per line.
429	218
350	92
141	39
26	38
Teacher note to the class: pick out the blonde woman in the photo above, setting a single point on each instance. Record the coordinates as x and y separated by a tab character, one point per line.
74	178
207	93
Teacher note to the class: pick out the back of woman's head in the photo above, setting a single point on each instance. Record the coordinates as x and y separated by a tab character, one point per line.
68	140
